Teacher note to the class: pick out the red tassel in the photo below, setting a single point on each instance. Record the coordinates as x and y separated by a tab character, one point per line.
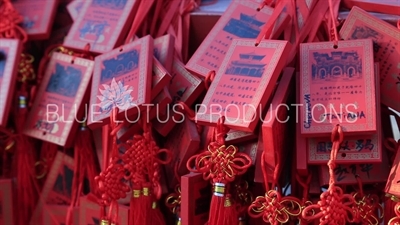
23	165
156	217
142	208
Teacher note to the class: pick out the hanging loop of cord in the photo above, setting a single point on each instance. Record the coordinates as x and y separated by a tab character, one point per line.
335	32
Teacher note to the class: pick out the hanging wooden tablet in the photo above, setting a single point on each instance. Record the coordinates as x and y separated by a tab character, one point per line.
59	103
10	53
102	24
243	84
122	80
38	17
386	48
337	87
240	20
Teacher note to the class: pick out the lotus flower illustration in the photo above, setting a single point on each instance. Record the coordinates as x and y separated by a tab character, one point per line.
115	95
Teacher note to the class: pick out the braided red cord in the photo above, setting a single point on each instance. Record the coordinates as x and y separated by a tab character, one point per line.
10	19
367	208
333	23
110	182
395	220
334	206
272	207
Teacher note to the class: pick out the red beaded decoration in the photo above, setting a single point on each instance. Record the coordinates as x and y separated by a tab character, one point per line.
334	206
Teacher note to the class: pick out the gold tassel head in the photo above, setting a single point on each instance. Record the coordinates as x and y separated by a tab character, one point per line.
219	189
104	222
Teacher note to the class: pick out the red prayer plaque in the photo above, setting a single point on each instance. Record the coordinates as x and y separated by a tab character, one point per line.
160	78
240	20
393	181
381	6
243	83
157	109
164	50
353	149
122	80
57	189
346	174
74	8
57	215
386	48
301	142
38	17
6	202
195	199
58	104
10	53
276	123
183	87
89	212
337	87
102	24
250	148
183	142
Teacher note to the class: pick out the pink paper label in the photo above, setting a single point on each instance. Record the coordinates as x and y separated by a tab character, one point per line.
37	15
337	86
9	59
358	149
121	80
368	172
240	20
100	24
386	46
59	98
243	83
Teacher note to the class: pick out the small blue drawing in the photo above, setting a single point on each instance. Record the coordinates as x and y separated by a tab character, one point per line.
65	81
364	32
245	27
2	62
337	65
111	4
28	23
249	65
93	31
156	53
122	64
